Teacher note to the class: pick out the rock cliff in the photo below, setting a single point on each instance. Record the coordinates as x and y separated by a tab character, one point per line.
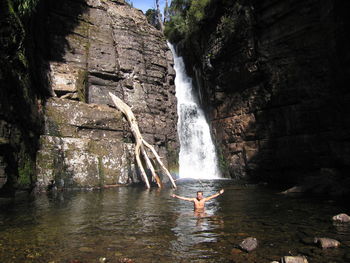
21	95
272	76
85	49
110	48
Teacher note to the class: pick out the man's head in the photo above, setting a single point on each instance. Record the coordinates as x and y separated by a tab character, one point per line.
199	195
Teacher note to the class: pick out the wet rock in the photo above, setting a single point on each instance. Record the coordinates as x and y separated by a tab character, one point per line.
294	259
325	242
236	251
86	249
263	125
125	260
343	218
294	189
249	244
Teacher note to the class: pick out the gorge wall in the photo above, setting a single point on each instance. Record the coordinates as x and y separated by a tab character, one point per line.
273	77
87	49
21	96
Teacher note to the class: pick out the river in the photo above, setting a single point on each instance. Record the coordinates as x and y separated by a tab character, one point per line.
150	226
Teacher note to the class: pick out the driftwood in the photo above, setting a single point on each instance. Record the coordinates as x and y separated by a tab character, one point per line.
141	145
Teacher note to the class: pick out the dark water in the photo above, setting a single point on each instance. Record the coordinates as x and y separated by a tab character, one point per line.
150	226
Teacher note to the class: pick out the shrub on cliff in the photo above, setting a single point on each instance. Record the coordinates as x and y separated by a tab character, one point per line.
23	7
152	18
185	16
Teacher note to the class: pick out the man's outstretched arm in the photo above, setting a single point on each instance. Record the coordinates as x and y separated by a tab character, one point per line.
182	198
214	195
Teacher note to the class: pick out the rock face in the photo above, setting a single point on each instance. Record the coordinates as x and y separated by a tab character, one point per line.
272	76
20	106
84	145
98	47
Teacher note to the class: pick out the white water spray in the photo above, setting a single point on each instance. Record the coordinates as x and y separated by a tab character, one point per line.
197	152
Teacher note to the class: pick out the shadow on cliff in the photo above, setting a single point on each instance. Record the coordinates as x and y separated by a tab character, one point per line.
28	43
53	22
274	90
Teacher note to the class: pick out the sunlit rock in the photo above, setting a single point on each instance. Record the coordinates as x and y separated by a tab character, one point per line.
294	189
343	218
249	244
294	259
325	242
109	47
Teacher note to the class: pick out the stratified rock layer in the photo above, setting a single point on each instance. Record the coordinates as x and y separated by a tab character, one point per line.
273	76
98	47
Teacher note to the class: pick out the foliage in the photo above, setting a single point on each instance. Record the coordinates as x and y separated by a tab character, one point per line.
226	27
152	18
129	2
23	8
25	173
176	28
185	18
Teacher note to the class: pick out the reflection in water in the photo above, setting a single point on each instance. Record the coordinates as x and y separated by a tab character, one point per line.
150	226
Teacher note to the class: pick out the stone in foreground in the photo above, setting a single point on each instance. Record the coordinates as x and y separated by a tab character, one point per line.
343	218
325	242
294	259
249	244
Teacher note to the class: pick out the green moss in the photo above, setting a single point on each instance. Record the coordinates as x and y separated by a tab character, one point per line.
96	148
25	173
173	157
82	85
101	174
23	7
222	162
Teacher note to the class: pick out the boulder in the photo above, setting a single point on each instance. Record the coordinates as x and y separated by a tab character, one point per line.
343	218
325	242
249	244
294	189
294	259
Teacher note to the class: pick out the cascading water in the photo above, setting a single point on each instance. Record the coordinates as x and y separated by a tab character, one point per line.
197	152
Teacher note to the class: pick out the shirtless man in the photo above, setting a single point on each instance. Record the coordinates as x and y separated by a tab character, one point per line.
199	201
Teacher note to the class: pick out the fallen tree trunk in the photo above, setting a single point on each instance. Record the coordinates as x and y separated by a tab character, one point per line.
141	145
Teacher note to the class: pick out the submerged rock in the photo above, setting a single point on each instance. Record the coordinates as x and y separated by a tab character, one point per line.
294	259
86	249
125	260
325	242
249	244
294	189
343	218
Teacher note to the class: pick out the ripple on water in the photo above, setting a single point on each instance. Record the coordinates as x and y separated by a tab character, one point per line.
150	226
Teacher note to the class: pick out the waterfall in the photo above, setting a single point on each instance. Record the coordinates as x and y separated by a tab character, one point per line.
197	152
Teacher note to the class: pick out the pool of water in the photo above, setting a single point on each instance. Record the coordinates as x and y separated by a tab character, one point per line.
150	226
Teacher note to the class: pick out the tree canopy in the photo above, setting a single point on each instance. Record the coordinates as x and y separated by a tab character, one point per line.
184	18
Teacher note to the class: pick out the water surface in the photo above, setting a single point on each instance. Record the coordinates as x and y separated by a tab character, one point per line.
150	226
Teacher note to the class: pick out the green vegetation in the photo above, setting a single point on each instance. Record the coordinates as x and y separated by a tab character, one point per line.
185	18
18	103
190	19
101	174
81	85
23	8
222	162
25	173
152	18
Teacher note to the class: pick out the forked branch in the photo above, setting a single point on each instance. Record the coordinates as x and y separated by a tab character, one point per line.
141	145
